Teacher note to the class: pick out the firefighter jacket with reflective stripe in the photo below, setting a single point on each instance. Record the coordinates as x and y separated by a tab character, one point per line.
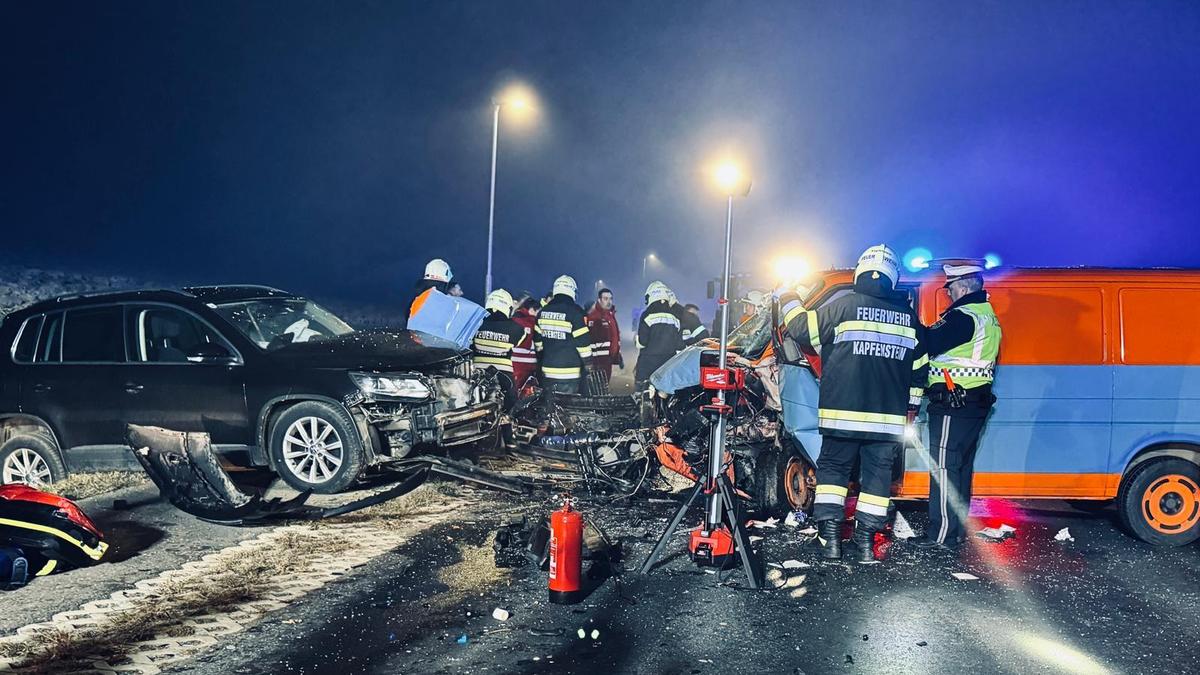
873	362
562	339
524	356
691	328
605	335
965	343
659	337
493	343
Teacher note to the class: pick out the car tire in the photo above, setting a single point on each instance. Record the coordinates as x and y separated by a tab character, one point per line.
329	464
780	477
1159	502
27	453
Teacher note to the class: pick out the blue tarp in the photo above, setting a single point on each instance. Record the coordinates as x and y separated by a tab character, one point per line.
450	318
799	392
679	372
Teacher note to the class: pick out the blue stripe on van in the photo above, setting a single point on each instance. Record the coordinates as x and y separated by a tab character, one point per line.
1153	405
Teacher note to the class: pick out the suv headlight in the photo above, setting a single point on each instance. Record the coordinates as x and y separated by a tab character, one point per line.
392	386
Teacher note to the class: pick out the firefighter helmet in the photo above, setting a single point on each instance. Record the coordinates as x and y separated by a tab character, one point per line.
501	301
656	291
879	260
438	270
565	285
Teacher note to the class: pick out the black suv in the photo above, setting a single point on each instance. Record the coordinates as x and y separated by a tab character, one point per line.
275	379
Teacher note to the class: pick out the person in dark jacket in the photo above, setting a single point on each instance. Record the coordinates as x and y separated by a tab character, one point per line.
691	328
659	335
493	344
869	342
562	339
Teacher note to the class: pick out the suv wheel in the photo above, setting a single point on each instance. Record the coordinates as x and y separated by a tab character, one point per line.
316	447
30	459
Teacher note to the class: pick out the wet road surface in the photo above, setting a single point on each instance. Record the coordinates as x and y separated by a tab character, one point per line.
1102	603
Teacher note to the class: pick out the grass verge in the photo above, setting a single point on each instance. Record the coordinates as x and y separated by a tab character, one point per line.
82	485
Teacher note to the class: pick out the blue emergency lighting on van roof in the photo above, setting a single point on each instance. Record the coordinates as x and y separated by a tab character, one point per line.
917	259
991	261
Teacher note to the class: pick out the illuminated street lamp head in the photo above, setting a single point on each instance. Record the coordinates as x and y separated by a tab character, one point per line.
517	100
731	179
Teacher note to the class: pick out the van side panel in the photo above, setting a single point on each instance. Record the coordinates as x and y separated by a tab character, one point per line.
1153	405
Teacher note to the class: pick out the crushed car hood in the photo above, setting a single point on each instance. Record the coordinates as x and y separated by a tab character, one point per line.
372	350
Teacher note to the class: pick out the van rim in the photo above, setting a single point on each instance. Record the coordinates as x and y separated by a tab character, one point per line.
1171	504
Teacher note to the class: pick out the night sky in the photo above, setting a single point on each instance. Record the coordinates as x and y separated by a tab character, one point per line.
332	148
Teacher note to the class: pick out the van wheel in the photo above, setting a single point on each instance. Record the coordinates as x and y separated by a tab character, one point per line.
315	446
30	459
783	482
1159	502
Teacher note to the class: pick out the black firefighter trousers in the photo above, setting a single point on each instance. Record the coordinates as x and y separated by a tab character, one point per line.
953	440
875	480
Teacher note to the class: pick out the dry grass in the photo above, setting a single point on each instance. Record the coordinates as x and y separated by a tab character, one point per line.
247	577
427	499
82	485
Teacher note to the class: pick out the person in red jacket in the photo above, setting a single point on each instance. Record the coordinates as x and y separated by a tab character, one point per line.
605	335
524	358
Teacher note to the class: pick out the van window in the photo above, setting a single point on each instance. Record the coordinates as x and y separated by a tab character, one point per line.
1050	325
93	335
1154	332
50	344
26	345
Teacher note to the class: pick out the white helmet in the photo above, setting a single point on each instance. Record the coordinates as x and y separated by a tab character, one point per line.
657	291
565	285
880	260
500	300
756	298
437	270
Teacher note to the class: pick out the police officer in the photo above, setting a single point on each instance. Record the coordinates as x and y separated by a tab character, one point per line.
659	334
493	344
963	346
869	342
562	339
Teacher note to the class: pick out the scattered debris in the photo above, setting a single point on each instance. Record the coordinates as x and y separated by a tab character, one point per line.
581	633
547	632
1064	535
462	639
901	529
755	538
795	519
763	524
501	614
963	576
997	534
922	643
794	565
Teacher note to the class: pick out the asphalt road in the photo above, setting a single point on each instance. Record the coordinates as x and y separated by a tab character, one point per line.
1101	603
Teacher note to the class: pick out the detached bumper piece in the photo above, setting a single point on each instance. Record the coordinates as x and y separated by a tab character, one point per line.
50	533
188	474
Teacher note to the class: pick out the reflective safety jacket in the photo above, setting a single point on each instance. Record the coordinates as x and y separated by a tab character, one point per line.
562	339
659	337
605	335
524	356
965	343
494	342
691	328
873	362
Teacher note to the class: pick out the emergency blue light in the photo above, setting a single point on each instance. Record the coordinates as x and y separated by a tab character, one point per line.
917	259
991	261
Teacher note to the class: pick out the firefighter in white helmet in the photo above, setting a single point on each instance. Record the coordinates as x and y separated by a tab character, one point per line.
437	278
562	339
659	334
869	342
492	346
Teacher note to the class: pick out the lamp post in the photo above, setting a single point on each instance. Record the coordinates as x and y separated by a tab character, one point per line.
648	256
515	99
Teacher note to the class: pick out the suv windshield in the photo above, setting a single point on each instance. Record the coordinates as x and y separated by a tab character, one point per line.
272	323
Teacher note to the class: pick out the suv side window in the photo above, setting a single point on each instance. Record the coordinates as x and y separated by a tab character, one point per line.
26	344
49	348
93	335
160	334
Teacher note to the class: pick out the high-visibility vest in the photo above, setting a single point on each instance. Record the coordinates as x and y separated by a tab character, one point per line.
971	364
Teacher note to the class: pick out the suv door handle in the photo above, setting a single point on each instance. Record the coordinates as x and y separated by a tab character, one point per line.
41	388
133	388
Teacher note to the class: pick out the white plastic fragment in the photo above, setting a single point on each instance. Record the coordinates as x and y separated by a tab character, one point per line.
761	524
500	614
997	534
901	529
581	633
794	565
791	520
754	538
595	633
963	576
1064	535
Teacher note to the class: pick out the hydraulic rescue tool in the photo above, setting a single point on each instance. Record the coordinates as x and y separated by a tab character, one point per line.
721	536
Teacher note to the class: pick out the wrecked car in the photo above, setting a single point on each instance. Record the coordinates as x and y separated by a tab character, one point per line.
274	379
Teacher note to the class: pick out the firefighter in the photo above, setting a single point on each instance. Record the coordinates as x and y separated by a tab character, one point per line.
963	347
869	344
493	344
605	336
562	339
691	328
437	277
659	334
524	355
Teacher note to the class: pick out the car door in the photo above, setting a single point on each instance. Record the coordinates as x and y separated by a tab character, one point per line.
73	383
183	375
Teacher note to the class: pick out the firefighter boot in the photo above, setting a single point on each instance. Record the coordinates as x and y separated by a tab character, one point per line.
829	536
862	546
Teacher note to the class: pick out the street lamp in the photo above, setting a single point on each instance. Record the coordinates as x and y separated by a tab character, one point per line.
648	256
519	99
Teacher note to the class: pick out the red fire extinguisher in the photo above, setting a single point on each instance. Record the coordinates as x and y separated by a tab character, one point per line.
566	551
